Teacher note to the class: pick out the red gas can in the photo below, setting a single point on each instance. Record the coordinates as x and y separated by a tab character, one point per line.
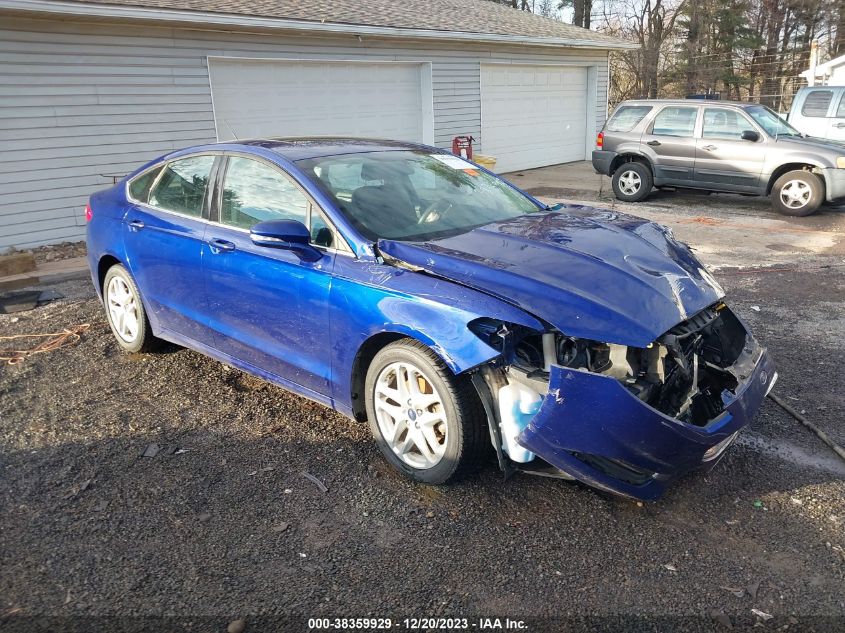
462	146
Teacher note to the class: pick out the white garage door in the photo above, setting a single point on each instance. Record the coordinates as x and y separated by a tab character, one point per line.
533	116
266	98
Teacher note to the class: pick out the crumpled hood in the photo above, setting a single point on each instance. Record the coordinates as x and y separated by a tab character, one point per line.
590	273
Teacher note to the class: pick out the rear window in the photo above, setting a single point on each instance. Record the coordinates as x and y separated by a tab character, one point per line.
181	188
816	103
675	121
626	118
139	188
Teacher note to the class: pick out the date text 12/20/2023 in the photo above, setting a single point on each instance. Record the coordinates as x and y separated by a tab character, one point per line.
414	624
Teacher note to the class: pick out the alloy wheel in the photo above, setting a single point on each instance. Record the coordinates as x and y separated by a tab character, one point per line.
123	309
795	194
630	182
410	415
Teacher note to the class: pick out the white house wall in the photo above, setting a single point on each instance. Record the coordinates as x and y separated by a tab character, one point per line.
84	103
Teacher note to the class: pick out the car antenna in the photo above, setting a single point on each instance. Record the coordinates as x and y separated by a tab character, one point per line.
226	121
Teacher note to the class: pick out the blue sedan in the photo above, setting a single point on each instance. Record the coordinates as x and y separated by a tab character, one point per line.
411	289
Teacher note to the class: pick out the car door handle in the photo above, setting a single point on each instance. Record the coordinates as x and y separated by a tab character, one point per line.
839	125
709	148
136	225
218	246
653	143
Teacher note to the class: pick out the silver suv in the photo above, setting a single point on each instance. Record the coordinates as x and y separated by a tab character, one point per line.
717	146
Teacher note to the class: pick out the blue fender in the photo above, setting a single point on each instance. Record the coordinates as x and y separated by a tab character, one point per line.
369	298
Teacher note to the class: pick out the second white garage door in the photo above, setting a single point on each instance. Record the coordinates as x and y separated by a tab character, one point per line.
532	116
266	98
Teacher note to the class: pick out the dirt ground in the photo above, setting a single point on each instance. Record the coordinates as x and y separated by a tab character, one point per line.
222	524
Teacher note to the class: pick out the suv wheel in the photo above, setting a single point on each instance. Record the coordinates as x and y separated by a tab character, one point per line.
632	182
797	193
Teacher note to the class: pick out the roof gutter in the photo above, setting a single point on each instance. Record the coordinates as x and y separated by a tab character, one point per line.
206	18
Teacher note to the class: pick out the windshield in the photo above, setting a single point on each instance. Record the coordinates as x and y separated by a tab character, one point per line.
771	122
414	195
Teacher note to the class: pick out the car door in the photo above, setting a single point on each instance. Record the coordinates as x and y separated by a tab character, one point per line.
723	159
163	235
836	122
669	142
268	307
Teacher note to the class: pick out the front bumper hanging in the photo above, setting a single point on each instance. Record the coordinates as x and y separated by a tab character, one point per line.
594	429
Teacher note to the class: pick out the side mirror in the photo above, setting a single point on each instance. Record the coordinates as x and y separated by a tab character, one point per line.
750	135
290	235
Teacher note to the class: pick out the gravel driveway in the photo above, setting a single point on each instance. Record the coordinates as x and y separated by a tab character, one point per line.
218	521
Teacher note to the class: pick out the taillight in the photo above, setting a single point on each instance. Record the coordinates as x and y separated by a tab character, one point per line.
89	214
600	140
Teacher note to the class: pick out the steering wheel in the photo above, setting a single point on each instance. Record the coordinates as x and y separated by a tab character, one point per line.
429	214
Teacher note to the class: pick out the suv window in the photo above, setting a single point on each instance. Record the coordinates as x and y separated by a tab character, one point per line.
626	118
816	103
727	124
182	186
254	192
139	188
675	121
840	111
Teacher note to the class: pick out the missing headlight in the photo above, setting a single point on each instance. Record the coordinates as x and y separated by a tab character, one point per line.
684	374
687	374
517	344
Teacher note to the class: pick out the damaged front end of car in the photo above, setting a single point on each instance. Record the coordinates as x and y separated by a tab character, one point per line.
620	418
639	372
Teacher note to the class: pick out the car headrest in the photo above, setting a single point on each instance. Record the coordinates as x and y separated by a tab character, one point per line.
384	170
372	198
384	207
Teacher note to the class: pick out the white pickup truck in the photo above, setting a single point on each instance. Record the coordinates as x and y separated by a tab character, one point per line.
819	111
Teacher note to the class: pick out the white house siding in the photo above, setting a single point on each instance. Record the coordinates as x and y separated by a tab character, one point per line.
83	103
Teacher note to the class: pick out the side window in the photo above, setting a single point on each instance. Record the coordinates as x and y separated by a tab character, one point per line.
675	121
139	188
725	124
254	192
181	188
816	103
840	111
321	234
626	118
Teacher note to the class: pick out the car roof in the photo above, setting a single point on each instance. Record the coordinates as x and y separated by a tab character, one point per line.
305	147
692	102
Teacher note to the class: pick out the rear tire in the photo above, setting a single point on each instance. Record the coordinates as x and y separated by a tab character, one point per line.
797	193
632	182
125	312
429	423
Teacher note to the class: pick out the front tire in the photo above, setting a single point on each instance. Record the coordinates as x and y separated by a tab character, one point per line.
797	193
428	423
632	182
125	312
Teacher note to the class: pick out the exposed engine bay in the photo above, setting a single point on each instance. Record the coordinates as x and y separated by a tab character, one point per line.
688	373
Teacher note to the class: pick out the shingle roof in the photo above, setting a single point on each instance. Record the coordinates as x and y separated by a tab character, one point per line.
467	16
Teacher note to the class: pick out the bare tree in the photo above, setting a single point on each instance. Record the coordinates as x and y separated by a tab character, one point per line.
743	49
581	11
652	24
